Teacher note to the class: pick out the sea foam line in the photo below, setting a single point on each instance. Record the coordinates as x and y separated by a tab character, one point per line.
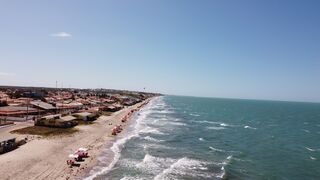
148	138
116	149
313	158
223	124
216	128
312	149
305	130
118	145
194	114
216	149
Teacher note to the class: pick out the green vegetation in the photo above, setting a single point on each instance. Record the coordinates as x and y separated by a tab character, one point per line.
82	122
45	131
106	113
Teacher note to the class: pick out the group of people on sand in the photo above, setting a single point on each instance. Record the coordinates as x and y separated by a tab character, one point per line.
117	129
77	156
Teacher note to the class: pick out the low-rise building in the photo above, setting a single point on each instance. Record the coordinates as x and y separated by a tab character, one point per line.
86	116
57	121
111	108
18	113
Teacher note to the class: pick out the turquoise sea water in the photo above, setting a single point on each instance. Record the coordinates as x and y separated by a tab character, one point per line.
208	138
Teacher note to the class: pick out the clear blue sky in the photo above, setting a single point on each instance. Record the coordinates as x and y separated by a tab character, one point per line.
218	48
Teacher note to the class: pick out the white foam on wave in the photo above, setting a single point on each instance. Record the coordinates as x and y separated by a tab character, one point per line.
177	123
116	149
118	145
152	164
185	166
206	122
148	138
227	125
313	158
216	149
149	130
310	149
305	130
128	178
166	121
194	114
216	128
176	119
249	127
227	161
201	139
215	122
156	146
128	162
165	111
222	174
221	150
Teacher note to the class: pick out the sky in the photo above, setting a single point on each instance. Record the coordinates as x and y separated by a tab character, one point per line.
217	48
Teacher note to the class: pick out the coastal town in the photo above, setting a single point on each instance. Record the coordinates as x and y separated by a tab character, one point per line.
74	122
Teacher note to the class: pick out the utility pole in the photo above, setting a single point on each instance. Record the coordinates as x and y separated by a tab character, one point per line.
5	120
27	110
56	84
38	111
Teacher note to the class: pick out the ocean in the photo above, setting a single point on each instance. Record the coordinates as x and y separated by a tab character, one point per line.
177	137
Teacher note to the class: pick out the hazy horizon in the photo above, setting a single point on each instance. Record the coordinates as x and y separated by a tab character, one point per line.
224	49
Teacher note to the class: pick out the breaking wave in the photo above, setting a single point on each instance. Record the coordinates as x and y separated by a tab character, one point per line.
216	149
310	149
194	114
305	130
249	127
149	130
148	138
185	167
216	128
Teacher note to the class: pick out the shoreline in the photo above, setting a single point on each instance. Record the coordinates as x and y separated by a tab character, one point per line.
110	155
45	158
125	134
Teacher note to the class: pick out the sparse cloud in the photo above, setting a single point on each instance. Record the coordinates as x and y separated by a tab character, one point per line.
7	74
61	35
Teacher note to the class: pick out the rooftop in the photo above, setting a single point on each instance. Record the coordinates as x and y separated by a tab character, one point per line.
67	118
83	114
42	105
17	108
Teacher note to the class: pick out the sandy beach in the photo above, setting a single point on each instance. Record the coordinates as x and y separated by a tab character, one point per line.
45	158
